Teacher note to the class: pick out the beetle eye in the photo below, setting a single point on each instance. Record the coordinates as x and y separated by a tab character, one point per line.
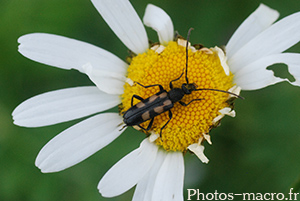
186	88
191	87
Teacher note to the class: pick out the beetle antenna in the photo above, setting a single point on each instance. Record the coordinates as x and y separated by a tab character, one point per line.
124	126
187	54
219	90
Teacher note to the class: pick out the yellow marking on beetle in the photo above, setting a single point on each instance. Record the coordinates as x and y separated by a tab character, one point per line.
146	115
159	109
163	95
153	98
140	104
167	102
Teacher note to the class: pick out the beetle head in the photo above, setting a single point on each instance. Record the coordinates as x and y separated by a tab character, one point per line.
188	88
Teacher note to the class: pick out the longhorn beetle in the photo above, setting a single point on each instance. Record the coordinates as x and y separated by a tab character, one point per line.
162	101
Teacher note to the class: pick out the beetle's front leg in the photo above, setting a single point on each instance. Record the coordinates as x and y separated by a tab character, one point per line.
153	85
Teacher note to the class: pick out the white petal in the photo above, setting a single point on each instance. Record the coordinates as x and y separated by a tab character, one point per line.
223	59
129	170
256	76
62	105
206	136
276	39
218	118
125	23
169	180
67	53
198	149
79	142
153	136
129	81
294	69
144	188
160	21
235	90
262	18
109	81
227	111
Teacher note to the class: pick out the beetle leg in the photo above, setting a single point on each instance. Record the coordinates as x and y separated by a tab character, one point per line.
137	97
154	85
141	127
170	117
171	85
149	125
186	104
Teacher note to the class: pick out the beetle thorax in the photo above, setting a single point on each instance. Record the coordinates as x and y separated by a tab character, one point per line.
176	94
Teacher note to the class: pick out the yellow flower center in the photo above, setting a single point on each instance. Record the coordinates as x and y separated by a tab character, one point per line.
188	123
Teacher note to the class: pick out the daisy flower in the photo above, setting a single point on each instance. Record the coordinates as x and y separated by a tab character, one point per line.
157	166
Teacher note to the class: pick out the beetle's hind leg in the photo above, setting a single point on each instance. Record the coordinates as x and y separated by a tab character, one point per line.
170	117
149	125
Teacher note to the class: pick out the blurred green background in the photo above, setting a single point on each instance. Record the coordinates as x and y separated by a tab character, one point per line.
257	151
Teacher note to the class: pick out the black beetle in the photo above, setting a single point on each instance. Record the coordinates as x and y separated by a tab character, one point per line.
162	101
